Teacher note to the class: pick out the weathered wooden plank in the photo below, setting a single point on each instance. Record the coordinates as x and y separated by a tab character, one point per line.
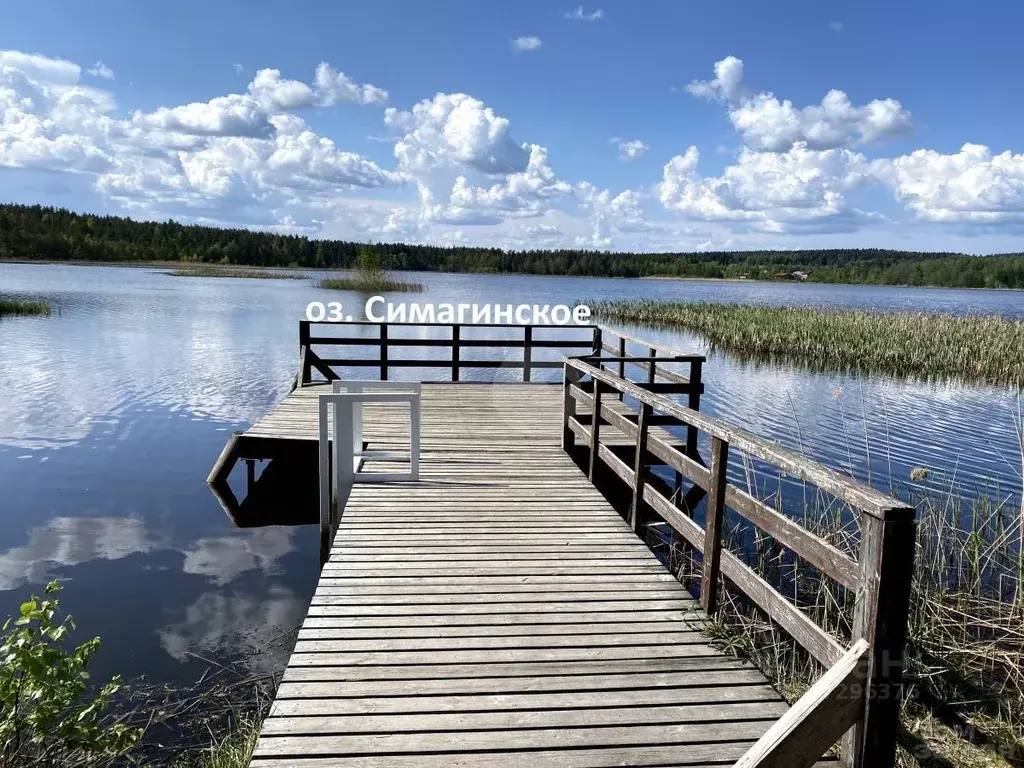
324	626
537	718
315	641
619	674
497	619
692	755
325	597
512	740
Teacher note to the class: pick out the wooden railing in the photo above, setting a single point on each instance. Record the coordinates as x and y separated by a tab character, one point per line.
587	337
563	339
860	690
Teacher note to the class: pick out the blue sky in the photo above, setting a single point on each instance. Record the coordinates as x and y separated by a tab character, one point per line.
641	126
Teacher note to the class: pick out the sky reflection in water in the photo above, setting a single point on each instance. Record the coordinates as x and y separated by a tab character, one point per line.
113	411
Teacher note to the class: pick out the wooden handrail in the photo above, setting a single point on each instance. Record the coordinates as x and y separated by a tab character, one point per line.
880	576
456	362
863	497
818	719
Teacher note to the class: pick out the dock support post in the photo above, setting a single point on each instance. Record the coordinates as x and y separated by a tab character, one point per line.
383	351
226	461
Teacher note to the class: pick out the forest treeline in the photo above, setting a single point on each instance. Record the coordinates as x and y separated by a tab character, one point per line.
37	232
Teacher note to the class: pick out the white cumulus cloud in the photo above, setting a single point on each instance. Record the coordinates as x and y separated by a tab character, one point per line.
772	191
970	186
578	14
333	87
99	69
767	123
525	193
456	129
630	149
528	43
232	115
726	84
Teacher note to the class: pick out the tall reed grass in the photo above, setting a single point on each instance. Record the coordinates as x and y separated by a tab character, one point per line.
987	350
371	283
213	270
10	306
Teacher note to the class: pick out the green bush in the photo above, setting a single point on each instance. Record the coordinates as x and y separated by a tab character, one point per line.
48	715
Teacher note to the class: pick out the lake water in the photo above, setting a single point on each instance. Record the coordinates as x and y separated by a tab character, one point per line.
113	411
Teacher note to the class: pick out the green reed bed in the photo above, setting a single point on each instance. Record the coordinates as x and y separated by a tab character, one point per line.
373	283
218	271
11	306
986	350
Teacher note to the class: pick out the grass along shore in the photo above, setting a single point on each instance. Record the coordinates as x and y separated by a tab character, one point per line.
364	284
229	271
986	350
11	306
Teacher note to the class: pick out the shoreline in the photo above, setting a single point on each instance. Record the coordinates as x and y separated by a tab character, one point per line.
325	270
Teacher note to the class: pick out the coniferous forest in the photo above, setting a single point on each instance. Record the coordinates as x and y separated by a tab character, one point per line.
37	232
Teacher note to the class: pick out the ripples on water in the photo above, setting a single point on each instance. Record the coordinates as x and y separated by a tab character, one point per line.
113	411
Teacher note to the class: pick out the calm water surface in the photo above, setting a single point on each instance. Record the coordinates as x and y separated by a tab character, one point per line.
113	411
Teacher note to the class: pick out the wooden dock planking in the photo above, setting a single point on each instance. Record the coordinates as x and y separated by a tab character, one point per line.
527	414
498	612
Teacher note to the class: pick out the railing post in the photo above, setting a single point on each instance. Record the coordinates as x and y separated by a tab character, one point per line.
569	377
622	363
595	424
326	490
636	516
693	402
527	351
598	348
304	364
383	351
887	547
715	517
456	333
651	366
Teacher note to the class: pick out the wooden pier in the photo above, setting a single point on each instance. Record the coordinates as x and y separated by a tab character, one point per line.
506	609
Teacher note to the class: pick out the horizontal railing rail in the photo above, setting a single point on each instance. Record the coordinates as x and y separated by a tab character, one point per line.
455	362
879	578
588	339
